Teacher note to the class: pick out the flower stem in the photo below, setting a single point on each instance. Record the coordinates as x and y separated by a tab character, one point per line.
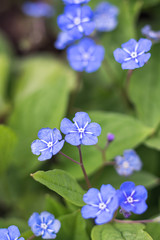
129	74
83	169
69	158
32	237
134	221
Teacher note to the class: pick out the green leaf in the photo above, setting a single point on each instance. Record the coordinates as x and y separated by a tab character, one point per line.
153	143
154	230
63	184
54	206
109	176
147	102
7	146
128	131
119	231
73	226
41	99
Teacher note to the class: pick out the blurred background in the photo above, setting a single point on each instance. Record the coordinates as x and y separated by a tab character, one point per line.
38	88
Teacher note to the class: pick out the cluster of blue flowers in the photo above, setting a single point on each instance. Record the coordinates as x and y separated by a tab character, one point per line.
103	204
79	21
77	133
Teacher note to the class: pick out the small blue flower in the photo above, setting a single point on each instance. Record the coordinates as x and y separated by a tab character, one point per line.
149	33
38	9
63	40
133	54
101	204
132	198
44	225
12	233
75	1
105	17
49	143
110	137
81	131
128	163
85	56
77	21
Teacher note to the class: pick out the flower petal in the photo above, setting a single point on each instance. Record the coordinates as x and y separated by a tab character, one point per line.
143	59
130	45
67	126
48	235
81	118
120	55
107	192
34	218
4	234
89	139
56	135
73	139
45	155
91	197
45	134
104	217
140	193
144	45
37	146
57	147
89	211
127	187
140	207
56	225
14	232
131	64
94	128
46	217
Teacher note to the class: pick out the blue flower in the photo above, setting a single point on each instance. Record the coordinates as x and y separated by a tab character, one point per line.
63	40
81	131
85	56
133	54
101	204
44	225
49	143
128	163
149	33
75	1
38	9
132	198
77	21
12	233
105	17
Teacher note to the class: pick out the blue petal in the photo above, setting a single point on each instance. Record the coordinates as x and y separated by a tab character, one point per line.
130	45
86	11
34	219
21	238
37	146
140	193
99	53
46	217
57	147
48	235
75	33
73	139
120	55
56	135
63	40
88	27
81	118
127	187
107	192
75	1
86	43
45	134
94	128
113	204
89	139
63	22
45	155
89	211
4	234
144	45
140	207
131	64
67	126
36	229
13	232
104	217
91	197
92	67
75	59
143	59
55	226
72	10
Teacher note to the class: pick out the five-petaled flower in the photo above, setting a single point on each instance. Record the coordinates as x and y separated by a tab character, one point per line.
133	54
49	143
105	17
81	131
38	9
85	56
132	198
75	1
101	204
44	225
10	233
77	21
128	163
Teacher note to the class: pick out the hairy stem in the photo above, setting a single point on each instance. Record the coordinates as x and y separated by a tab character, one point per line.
83	169
69	158
134	221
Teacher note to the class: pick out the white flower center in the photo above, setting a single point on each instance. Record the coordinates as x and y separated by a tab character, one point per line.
125	164
50	144
44	226
86	56
102	206
81	130
134	54
130	200
77	21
